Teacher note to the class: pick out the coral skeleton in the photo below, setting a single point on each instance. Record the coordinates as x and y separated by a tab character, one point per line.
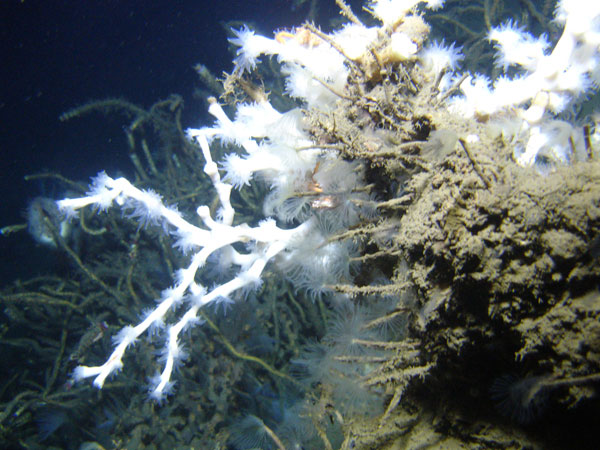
267	242
275	147
551	80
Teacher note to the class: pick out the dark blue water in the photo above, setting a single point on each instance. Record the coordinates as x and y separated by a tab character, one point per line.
59	54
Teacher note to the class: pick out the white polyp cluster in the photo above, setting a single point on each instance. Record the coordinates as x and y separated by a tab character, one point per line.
217	235
307	184
316	71
517	47
288	161
251	47
549	80
284	156
437	58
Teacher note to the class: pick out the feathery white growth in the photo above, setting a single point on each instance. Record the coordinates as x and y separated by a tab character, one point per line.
219	234
255	119
300	83
102	194
437	57
240	169
583	17
478	97
251	47
551	79
322	60
355	39
401	47
289	130
517	47
509	91
561	74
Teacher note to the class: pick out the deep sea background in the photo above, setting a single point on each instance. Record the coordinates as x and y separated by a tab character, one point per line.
58	54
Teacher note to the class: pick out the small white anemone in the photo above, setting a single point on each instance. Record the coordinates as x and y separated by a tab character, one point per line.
251	47
517	47
437	57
